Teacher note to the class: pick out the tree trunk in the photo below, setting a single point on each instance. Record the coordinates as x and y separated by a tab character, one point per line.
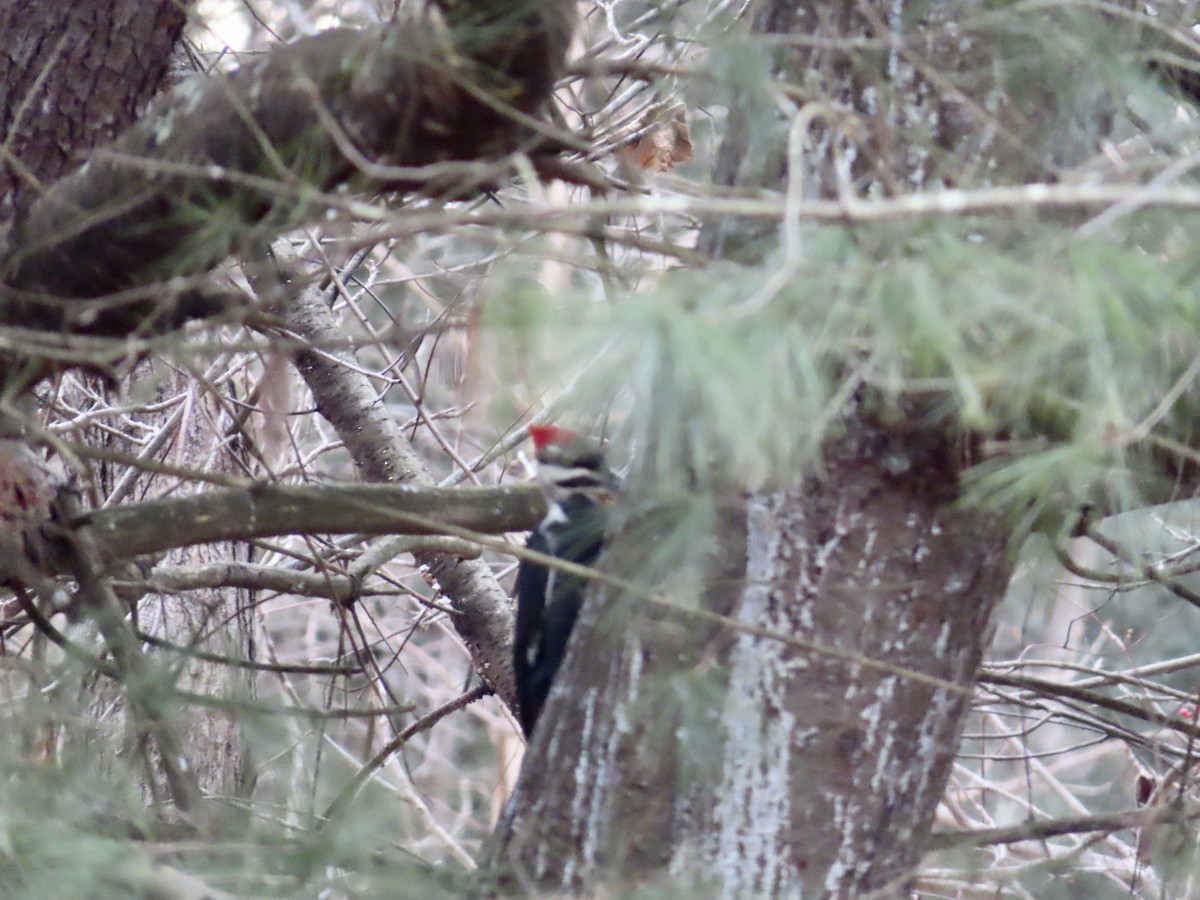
75	75
804	755
802	751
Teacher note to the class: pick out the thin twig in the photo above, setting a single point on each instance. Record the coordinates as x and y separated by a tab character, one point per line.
376	762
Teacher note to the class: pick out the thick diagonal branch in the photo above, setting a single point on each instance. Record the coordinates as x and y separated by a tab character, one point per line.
376	443
222	161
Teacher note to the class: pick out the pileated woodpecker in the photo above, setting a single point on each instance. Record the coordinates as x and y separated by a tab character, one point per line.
579	488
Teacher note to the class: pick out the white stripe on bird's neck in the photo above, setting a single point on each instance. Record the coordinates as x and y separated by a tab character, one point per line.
555	514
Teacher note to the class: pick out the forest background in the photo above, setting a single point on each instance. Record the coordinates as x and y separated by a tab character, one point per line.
887	310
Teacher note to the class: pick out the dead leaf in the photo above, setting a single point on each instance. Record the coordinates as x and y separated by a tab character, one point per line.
662	141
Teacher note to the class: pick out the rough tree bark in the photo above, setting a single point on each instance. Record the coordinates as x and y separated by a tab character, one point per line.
61	97
818	772
864	594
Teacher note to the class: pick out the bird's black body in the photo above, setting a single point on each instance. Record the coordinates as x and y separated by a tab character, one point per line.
579	490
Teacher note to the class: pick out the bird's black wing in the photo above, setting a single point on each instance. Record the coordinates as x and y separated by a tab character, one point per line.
548	602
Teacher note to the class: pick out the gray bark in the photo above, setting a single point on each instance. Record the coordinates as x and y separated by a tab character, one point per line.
382	453
811	756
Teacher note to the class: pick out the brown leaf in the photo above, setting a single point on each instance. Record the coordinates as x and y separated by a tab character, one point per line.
663	141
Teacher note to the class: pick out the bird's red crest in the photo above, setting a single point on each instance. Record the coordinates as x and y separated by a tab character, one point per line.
545	435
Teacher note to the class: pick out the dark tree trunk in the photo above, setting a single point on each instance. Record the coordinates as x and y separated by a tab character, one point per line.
75	75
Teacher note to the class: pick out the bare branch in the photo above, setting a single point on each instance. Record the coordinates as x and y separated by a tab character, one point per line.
268	510
382	453
1038	831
